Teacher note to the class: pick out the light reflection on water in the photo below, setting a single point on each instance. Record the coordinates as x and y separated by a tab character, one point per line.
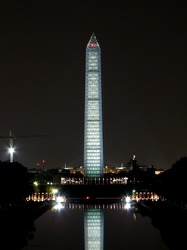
95	227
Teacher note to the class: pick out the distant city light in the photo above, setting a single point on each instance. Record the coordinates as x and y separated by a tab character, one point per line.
55	191
128	199
60	199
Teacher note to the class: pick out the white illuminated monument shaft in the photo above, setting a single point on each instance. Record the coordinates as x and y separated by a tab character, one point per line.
93	127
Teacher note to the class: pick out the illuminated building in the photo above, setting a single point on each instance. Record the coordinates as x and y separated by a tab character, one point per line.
158	171
93	127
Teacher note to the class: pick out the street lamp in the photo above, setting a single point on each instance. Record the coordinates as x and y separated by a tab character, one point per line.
11	152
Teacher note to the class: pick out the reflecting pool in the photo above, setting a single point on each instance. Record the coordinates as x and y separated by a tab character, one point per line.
95	227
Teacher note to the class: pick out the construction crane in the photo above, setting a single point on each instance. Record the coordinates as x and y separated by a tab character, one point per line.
11	144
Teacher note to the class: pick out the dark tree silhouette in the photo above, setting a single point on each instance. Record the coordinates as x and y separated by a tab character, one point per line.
14	183
172	183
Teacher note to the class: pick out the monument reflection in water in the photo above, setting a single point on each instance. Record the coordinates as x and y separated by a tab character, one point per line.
93	228
94	225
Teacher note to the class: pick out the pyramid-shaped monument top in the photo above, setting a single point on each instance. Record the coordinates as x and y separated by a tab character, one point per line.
92	42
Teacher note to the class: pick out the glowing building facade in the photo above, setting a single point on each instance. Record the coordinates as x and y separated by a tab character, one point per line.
93	125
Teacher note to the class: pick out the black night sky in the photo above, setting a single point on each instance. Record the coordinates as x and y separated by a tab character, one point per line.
144	77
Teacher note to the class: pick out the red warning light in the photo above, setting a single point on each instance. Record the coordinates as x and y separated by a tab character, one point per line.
93	45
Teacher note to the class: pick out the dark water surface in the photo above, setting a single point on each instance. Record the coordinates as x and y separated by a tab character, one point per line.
95	227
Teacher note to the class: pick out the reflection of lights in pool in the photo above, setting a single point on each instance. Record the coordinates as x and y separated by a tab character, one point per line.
59	206
127	206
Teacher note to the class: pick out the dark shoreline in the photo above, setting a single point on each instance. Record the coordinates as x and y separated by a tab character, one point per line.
17	223
169	219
